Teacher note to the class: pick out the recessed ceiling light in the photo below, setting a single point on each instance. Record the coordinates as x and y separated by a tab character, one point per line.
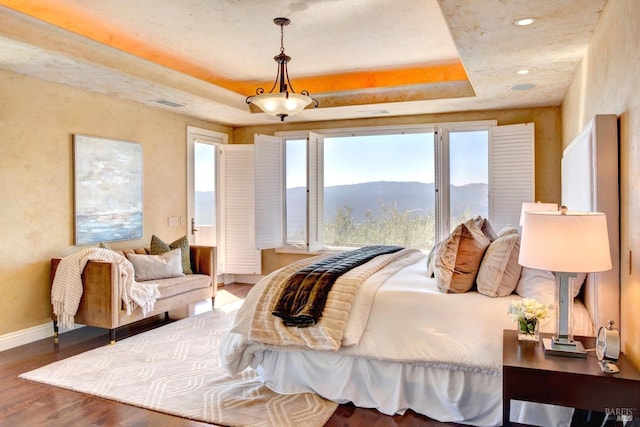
523	71
524	86
524	22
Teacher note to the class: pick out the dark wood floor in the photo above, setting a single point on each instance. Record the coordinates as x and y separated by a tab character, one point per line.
23	403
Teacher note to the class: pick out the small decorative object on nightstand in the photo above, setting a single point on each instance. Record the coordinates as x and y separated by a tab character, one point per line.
529	314
608	348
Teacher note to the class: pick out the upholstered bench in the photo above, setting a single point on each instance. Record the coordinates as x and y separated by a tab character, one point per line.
101	303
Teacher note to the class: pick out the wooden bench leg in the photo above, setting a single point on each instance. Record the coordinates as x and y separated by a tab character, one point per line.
55	332
166	316
213	302
112	336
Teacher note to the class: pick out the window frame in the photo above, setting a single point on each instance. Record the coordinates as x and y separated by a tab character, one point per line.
442	160
441	133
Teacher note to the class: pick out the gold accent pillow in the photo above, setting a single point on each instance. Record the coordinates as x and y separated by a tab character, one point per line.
458	257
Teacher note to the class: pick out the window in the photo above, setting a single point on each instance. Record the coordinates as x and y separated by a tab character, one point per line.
296	185
378	189
205	187
468	175
202	185
464	162
409	186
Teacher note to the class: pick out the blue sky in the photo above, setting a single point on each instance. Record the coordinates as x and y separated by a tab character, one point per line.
409	157
353	160
204	157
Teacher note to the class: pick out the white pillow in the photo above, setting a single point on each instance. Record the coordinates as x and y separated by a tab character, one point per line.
152	267
541	285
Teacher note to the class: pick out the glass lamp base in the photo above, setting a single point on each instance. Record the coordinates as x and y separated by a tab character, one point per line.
566	348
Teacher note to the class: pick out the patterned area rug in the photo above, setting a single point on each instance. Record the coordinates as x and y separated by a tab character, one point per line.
176	369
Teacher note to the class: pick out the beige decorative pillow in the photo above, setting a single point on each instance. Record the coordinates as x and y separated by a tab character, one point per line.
458	257
152	267
159	247
507	229
499	271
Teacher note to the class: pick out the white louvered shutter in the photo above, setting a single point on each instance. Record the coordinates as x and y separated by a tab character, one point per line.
269	191
315	191
238	254
512	172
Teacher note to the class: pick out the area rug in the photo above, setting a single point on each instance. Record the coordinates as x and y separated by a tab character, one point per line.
176	369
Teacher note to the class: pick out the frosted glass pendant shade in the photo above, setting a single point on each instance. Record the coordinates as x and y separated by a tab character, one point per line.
281	104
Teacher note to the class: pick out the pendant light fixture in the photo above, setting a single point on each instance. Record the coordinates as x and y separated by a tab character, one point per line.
285	102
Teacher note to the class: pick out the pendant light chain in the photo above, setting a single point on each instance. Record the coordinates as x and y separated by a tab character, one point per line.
281	38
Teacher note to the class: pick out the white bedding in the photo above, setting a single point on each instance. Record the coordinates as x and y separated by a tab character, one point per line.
438	354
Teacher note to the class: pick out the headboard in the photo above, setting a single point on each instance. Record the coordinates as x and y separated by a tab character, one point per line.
590	183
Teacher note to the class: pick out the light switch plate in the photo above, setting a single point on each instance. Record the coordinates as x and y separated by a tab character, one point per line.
173	221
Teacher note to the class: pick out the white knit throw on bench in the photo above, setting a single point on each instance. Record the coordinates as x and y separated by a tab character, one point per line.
66	290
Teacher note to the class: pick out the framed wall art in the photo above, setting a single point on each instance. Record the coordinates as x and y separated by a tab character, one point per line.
107	189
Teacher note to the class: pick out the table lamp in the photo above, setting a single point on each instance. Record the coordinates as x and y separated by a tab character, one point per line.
566	243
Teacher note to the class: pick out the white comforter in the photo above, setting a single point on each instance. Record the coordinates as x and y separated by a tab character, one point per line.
410	320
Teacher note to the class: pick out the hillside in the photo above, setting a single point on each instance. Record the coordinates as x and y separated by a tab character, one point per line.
406	196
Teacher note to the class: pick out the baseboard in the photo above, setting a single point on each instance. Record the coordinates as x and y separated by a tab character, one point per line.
29	335
25	336
251	279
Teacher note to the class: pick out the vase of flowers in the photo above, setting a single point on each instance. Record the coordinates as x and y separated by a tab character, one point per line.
528	314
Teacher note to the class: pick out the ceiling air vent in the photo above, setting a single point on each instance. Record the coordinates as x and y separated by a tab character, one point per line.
373	112
168	103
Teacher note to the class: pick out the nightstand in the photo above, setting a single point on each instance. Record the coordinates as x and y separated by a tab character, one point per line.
529	375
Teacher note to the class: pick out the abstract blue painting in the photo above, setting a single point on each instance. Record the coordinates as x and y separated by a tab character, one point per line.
108	189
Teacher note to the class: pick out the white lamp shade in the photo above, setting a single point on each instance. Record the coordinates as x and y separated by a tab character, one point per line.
575	242
281	104
534	207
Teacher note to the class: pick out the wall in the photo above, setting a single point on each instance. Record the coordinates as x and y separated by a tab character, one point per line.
548	149
606	82
37	121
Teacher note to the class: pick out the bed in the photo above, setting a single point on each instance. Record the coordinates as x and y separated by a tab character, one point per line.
399	342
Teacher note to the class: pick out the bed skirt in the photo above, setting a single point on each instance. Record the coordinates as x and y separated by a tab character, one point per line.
444	395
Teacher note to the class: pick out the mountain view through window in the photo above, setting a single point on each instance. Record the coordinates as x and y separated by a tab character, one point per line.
380	189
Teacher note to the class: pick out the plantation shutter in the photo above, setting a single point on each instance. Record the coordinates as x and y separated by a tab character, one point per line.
511	172
315	191
238	254
269	194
